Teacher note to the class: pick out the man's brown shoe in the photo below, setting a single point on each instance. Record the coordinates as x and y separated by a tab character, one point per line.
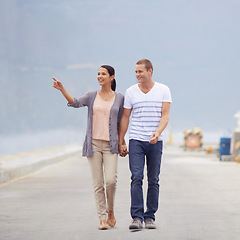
149	224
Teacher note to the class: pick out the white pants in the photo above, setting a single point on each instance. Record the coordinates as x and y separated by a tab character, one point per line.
103	166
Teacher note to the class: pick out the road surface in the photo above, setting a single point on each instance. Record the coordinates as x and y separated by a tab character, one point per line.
199	200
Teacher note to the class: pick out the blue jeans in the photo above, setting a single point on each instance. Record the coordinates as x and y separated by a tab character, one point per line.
137	152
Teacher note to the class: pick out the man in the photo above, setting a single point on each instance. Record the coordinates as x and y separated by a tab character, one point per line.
149	104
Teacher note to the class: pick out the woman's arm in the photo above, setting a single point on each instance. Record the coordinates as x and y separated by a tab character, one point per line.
122	131
59	86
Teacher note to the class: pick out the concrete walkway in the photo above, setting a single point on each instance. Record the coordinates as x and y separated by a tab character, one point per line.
18	165
200	199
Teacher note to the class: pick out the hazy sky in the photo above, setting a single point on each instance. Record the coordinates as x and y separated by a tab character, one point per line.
193	45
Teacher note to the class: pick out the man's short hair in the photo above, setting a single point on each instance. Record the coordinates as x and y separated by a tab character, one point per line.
146	62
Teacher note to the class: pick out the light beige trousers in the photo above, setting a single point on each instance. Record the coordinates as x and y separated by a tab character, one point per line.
103	166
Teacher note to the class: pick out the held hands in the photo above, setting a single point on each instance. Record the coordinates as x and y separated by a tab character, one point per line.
123	152
57	84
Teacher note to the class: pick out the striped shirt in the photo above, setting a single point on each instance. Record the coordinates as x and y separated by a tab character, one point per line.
146	110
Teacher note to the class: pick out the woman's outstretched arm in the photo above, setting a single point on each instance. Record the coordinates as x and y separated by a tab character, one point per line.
59	86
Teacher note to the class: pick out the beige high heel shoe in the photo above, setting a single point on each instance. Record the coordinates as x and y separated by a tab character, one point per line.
111	221
103	225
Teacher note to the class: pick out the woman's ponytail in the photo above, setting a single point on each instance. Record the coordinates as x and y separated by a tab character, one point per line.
113	84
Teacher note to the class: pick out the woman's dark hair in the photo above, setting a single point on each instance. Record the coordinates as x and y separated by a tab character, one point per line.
111	72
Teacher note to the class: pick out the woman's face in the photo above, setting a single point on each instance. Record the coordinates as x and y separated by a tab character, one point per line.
103	77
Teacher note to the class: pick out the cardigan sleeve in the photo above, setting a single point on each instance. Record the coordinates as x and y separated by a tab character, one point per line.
120	111
81	101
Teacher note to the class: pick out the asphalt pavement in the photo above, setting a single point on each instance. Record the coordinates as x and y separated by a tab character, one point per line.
199	200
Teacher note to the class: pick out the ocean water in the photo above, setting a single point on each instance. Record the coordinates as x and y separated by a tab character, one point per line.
17	143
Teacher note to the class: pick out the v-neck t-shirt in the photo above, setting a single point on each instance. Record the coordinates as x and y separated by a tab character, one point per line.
146	110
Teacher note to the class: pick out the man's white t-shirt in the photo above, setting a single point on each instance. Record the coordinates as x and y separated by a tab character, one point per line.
146	110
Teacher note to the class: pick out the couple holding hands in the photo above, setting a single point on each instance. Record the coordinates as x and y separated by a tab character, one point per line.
148	104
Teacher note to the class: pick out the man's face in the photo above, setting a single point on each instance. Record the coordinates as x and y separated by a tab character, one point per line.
142	74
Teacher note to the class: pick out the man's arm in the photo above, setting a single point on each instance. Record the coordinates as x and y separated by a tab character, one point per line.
122	131
163	122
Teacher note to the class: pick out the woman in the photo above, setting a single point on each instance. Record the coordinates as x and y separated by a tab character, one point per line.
105	108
